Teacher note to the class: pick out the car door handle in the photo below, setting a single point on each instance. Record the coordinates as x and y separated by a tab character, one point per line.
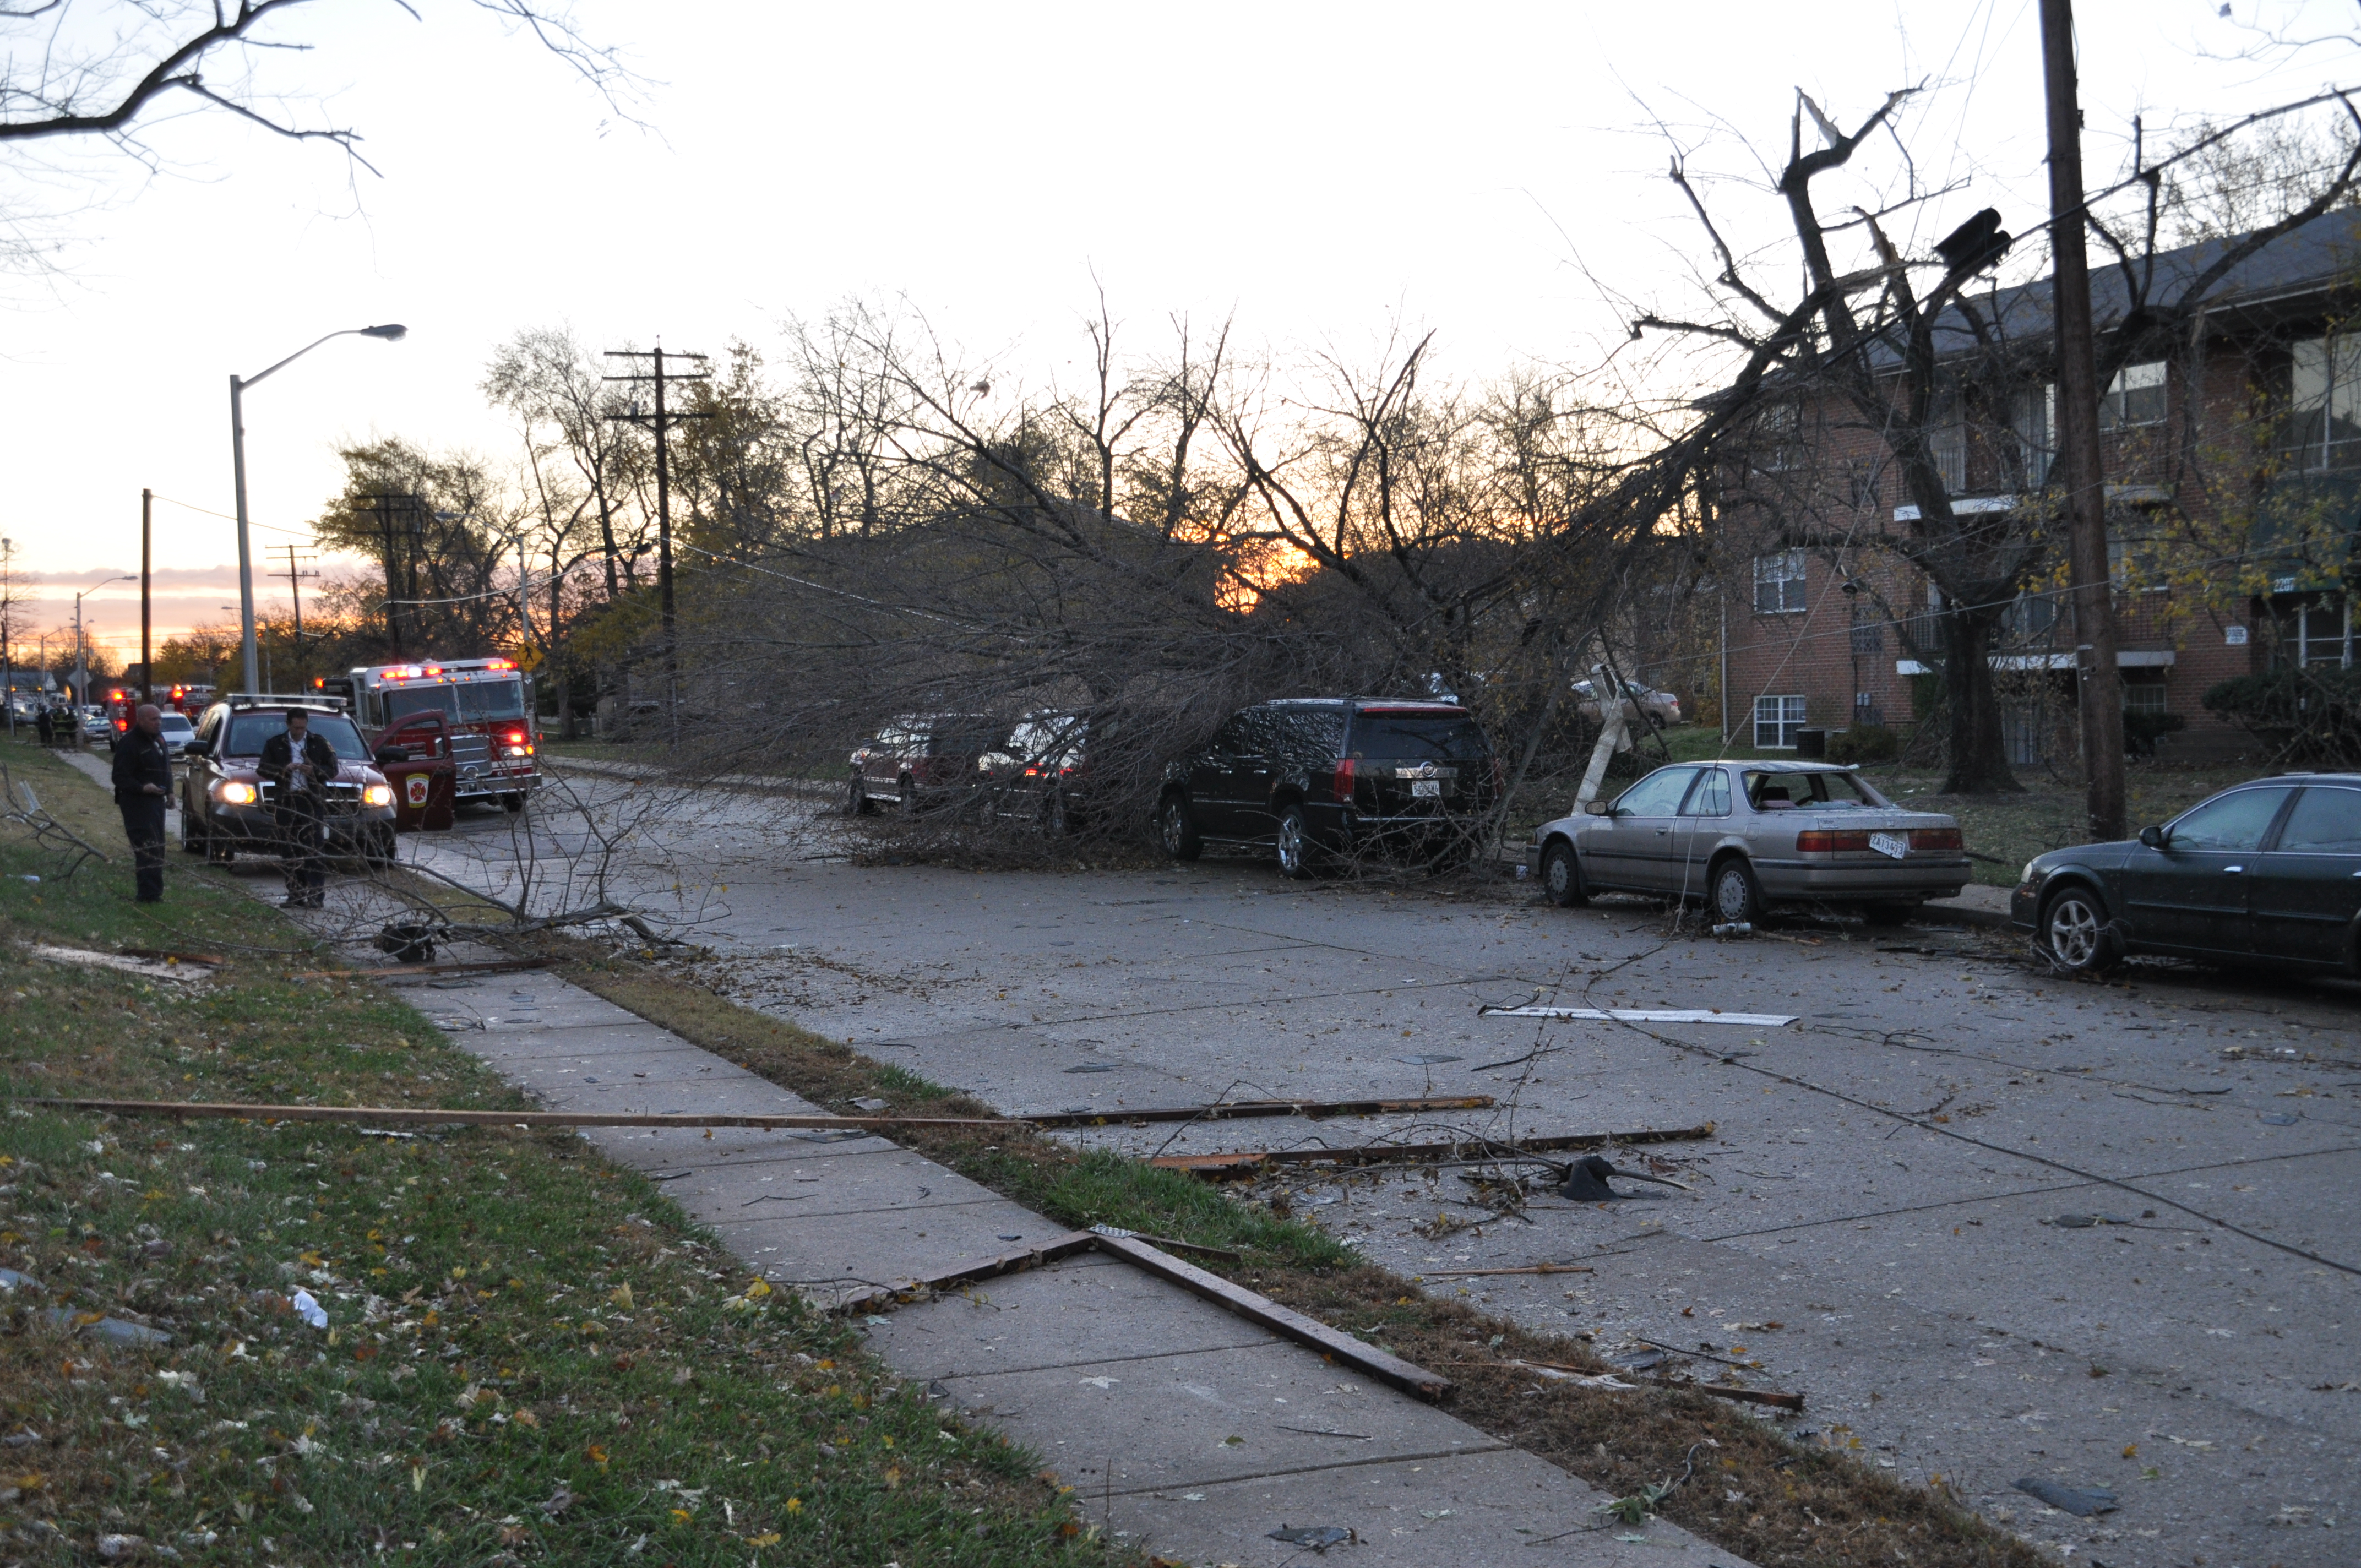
2228	870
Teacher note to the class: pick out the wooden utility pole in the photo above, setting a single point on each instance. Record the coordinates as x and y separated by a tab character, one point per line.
2101	681
147	668
295	586
660	423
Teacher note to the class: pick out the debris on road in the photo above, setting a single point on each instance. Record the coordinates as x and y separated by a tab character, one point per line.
1318	1538
145	967
1531	1268
1585	1180
2084	1221
1313	1110
2083	1502
1247	1162
1731	1391
1734	928
1646	1016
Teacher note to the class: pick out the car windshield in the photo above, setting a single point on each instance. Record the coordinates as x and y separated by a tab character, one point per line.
400	702
1418	735
177	724
248	732
1831	791
490	701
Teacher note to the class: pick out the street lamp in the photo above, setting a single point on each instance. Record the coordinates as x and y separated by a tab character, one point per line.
390	333
81	660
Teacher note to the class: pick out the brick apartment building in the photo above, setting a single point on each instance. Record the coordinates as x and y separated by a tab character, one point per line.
2234	470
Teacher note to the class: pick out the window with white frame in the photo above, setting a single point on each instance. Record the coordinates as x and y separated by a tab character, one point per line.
1776	719
2135	398
1779	583
2035	424
2327	402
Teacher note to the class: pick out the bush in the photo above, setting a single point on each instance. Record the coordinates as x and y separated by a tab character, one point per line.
2141	730
2314	716
1864	743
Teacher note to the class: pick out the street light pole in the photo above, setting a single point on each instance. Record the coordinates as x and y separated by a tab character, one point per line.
81	660
390	333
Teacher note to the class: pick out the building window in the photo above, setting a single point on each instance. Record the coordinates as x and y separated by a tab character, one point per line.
2143	692
2136	399
2030	616
1779	583
1778	444
2036	433
1863	477
1948	445
1868	637
2327	402
1776	719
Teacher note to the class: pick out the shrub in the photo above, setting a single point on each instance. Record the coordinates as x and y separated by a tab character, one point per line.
2141	730
2314	716
1864	743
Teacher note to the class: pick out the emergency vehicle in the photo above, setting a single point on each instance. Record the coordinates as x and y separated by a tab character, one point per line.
476	711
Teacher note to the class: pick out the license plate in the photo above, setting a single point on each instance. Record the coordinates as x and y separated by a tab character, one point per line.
1897	845
1426	789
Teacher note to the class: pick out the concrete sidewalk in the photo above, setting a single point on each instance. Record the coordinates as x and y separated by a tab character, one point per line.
1179	1426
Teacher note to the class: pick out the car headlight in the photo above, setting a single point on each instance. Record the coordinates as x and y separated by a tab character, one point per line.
378	794
2031	873
236	791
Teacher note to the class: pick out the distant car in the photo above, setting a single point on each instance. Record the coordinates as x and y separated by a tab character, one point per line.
1042	772
178	733
2267	873
1317	777
226	805
1662	707
95	725
918	761
1744	837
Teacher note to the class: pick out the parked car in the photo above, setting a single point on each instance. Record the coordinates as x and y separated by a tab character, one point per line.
2268	871
178	733
1314	777
1662	707
95	725
918	761
1042	772
226	805
1744	837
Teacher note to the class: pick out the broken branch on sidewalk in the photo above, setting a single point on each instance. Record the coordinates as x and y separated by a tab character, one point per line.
1460	1151
1313	1110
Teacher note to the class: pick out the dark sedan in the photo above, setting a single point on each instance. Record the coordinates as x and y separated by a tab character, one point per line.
2267	873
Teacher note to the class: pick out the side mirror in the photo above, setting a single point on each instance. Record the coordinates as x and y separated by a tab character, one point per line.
1597	808
198	749
390	754
2152	837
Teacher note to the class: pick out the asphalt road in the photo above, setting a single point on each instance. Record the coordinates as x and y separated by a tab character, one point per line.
1875	1220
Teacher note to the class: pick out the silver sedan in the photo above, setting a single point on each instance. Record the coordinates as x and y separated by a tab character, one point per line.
1743	836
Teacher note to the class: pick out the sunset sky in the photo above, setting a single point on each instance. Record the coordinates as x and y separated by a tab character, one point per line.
1323	171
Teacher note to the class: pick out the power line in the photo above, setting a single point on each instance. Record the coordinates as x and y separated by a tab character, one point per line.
661	422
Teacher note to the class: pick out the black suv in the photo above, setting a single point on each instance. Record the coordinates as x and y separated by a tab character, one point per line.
1314	776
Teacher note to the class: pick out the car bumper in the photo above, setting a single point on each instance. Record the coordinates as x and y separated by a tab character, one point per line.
1853	880
485	784
2025	905
259	824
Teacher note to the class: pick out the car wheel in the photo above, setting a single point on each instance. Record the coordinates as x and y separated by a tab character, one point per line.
2077	933
379	848
191	841
856	798
1737	897
1896	913
1178	828
1561	876
218	849
1295	847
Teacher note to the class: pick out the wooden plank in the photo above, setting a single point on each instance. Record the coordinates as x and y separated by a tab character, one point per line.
1245	1162
1270	1314
1007	1263
1314	1110
1745	1396
424	1116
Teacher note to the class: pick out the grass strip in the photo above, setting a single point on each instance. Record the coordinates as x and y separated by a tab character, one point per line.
528	1354
1753	1491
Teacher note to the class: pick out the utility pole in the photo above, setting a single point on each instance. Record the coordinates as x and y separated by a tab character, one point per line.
7	629
295	587
2101	680
147	521
660	423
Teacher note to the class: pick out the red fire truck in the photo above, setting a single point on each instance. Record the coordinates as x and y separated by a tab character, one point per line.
476	711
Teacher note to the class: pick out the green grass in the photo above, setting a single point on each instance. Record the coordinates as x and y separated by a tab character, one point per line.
528	1354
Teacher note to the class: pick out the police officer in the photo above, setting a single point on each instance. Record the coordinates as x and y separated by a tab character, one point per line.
47	726
300	764
143	782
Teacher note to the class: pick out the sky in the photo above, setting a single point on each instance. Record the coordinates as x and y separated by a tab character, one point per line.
1325	174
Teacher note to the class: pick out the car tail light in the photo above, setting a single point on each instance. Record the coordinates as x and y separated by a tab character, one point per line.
1825	843
1341	786
1935	839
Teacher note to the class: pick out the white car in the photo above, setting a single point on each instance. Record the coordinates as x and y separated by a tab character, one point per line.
1662	707
178	733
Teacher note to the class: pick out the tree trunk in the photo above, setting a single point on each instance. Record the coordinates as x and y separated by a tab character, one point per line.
1979	757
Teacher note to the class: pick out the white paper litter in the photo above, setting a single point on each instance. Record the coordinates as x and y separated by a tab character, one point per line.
310	1311
1646	1016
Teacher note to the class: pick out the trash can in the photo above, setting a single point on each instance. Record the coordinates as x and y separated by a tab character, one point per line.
1811	743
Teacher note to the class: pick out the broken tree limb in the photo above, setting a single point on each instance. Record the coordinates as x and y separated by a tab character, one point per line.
424	1116
1536	1268
1245	1162
1232	1253
423	971
1261	1310
1722	1391
1313	1110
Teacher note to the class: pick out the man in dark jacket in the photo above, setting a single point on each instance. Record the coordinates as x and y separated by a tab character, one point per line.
300	764
47	726
143	782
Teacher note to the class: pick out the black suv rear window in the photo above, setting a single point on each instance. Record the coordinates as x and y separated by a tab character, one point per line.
1418	737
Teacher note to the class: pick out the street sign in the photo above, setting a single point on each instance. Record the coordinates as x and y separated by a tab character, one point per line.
528	658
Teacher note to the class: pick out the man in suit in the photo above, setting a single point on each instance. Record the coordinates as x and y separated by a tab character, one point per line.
143	782
300	764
